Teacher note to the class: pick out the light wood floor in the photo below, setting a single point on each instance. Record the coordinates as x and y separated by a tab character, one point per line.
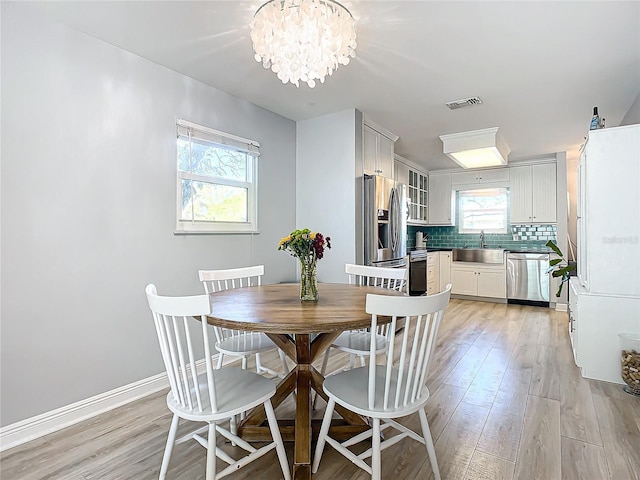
507	403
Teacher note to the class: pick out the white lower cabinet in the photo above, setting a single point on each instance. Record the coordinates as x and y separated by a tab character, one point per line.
595	323
492	283
479	281
433	273
445	269
464	282
573	313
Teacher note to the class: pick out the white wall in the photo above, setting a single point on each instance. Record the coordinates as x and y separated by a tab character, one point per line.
88	209
326	186
633	114
561	216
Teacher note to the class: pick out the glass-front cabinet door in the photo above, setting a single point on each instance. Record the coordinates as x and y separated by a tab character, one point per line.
418	196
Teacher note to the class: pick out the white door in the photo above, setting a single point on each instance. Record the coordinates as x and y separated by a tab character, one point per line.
581	224
464	282
401	173
492	284
385	156
520	195
370	151
445	269
440	200
543	184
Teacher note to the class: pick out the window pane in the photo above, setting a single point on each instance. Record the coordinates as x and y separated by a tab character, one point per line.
483	220
212	160
212	202
483	210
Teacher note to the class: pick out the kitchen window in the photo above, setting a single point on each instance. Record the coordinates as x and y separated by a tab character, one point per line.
484	209
216	181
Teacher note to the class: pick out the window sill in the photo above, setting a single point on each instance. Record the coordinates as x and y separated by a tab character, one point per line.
256	232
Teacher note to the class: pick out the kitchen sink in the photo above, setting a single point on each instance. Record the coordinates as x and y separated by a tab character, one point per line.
478	255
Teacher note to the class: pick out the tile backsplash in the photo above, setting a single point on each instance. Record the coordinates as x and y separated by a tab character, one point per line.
520	236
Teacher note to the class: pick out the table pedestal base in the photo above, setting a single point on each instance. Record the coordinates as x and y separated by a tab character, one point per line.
302	380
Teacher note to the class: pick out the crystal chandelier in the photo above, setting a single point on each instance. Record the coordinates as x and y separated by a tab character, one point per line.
303	40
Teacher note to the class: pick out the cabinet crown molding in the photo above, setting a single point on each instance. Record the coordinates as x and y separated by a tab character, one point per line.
412	165
380	129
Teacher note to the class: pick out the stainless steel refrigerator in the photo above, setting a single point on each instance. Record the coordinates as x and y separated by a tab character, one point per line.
385	222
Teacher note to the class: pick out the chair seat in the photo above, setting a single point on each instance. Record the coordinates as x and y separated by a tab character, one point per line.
238	390
358	342
248	344
350	389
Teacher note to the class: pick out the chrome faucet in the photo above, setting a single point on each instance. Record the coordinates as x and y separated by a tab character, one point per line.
482	244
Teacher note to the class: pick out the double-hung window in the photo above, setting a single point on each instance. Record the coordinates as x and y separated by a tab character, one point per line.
484	209
216	181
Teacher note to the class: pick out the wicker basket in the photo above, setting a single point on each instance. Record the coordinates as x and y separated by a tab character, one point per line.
630	362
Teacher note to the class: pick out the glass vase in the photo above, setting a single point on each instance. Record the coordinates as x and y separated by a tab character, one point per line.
630	357
308	281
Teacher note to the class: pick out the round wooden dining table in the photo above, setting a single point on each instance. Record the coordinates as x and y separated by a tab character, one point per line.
277	311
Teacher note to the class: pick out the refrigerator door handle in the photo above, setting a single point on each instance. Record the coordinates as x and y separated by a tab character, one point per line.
393	223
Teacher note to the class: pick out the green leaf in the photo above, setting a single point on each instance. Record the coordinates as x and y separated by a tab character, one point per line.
554	247
561	272
555	261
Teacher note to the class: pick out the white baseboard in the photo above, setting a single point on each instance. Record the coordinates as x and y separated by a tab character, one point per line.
54	420
561	307
49	422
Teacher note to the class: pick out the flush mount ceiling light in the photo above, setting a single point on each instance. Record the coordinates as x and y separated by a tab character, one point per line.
476	149
303	40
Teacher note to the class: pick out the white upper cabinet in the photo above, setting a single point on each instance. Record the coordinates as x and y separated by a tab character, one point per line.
521	196
401	173
475	177
441	209
533	194
608	221
544	193
370	151
385	156
418	192
417	183
378	152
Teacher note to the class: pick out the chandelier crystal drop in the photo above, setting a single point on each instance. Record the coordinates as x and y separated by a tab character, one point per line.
303	40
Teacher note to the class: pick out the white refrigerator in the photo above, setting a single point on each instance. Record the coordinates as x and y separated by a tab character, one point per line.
604	298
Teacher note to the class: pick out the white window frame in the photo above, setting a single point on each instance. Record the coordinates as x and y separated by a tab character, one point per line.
502	230
250	147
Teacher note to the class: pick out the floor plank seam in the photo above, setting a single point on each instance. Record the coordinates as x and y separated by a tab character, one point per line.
512	450
582	440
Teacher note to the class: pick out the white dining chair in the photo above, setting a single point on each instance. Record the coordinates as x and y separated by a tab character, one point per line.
212	396
358	342
392	390
233	342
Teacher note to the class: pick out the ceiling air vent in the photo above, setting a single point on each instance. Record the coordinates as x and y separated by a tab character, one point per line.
465	102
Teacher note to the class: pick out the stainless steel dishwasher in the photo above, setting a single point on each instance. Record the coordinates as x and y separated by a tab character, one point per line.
527	278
